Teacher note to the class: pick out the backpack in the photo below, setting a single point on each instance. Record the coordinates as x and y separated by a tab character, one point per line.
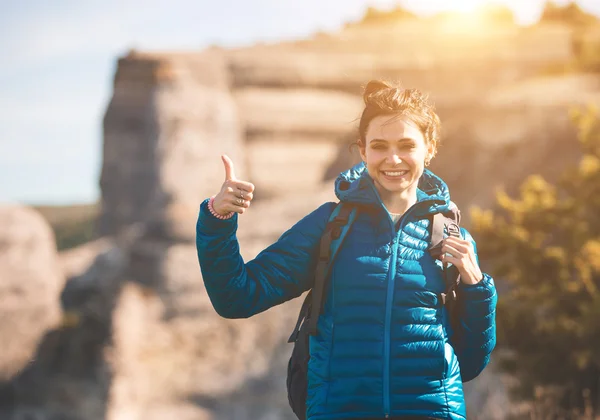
337	227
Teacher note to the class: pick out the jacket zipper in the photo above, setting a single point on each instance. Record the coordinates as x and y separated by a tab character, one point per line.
388	309
445	368
388	321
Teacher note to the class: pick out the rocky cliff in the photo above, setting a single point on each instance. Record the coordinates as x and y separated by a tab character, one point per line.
139	338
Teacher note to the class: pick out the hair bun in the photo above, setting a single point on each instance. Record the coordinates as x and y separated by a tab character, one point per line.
374	86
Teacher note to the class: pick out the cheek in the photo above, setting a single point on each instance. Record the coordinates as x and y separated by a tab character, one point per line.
375	156
417	159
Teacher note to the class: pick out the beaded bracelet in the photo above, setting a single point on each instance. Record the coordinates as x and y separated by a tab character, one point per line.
214	213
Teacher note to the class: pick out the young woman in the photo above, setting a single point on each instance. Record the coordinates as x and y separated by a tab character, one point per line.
383	347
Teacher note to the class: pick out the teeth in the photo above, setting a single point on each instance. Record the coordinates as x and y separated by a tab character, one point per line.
395	173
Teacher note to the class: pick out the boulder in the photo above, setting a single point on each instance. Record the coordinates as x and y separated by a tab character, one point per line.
31	281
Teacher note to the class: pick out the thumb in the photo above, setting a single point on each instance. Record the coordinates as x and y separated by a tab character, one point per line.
229	172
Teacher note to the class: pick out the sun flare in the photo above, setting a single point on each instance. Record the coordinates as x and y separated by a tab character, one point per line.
467	16
464	6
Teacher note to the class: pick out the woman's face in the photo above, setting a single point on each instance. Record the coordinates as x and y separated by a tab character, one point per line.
394	152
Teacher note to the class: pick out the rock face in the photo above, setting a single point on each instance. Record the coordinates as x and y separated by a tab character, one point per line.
70	375
30	286
293	134
168	122
438	59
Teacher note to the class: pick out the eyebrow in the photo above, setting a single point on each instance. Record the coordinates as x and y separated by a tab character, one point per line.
402	140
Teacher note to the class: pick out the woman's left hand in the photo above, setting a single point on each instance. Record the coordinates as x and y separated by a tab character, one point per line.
461	253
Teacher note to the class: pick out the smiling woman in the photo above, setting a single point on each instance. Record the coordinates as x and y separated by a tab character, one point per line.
384	345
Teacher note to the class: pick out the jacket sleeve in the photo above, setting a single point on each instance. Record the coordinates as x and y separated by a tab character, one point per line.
476	324
279	273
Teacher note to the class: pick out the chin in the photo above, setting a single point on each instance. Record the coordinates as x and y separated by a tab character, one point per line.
401	187
394	188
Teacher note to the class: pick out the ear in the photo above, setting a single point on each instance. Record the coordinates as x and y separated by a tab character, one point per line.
430	154
362	151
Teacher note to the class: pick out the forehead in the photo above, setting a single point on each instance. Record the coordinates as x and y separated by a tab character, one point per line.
393	127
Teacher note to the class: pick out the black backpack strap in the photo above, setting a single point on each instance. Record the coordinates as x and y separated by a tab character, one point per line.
304	310
333	232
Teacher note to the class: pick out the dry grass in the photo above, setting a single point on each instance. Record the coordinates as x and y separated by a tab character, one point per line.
73	224
61	215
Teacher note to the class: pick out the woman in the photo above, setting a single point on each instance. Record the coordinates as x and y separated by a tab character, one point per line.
382	350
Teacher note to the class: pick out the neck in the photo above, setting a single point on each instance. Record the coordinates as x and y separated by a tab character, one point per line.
398	202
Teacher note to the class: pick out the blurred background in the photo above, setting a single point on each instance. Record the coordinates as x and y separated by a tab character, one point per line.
114	115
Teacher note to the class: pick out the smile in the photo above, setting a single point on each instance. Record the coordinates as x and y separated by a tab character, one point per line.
395	174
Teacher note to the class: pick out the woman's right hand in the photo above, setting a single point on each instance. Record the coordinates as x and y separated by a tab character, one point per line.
235	195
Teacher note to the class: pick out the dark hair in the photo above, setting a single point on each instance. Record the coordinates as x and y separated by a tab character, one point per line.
383	98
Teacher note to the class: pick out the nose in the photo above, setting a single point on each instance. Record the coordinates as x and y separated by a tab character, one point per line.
394	159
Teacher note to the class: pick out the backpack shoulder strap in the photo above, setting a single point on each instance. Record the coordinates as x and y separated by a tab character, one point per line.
334	234
337	227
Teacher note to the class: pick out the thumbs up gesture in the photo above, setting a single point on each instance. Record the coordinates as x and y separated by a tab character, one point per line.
235	195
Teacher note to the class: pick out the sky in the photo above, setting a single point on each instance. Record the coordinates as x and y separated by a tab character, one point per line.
59	59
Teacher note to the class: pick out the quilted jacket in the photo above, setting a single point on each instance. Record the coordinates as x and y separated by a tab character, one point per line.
384	345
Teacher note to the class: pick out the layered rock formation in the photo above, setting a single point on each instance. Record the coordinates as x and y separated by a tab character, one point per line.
169	120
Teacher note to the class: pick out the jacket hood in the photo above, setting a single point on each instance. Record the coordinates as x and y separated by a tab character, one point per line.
356	186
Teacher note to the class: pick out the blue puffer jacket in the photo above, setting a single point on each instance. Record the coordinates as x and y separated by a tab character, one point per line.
383	347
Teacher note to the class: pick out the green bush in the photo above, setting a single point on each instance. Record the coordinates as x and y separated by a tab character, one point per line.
544	246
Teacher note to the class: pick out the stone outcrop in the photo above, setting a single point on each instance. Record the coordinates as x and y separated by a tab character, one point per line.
437	59
30	285
70	374
169	120
292	135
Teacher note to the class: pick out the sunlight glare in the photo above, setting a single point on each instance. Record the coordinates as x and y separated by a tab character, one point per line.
465	6
466	16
